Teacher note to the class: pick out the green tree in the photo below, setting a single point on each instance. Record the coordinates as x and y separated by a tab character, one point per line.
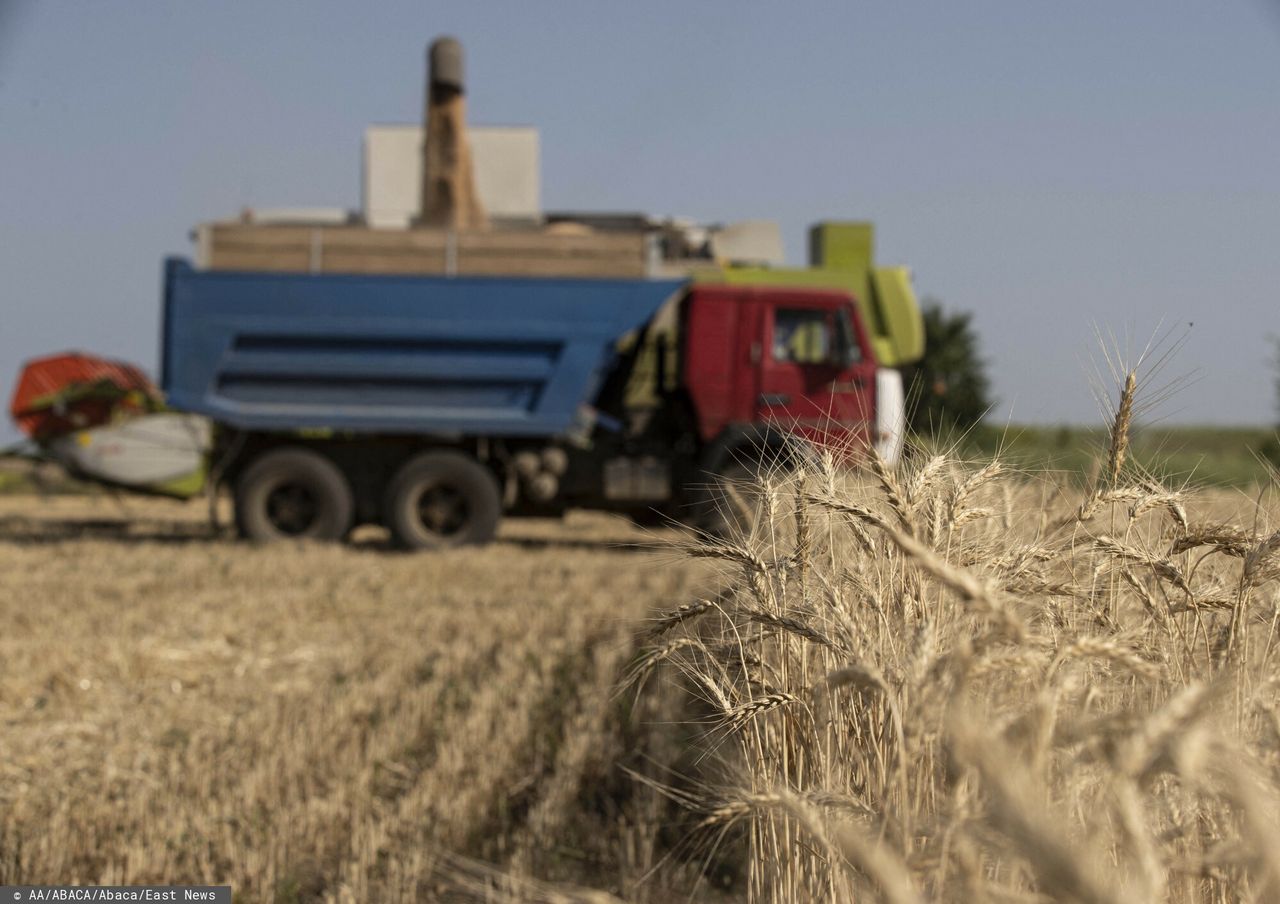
948	388
1270	447
1275	371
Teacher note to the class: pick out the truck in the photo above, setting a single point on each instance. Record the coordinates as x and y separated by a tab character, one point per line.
436	405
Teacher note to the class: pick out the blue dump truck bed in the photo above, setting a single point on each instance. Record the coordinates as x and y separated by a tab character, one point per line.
393	354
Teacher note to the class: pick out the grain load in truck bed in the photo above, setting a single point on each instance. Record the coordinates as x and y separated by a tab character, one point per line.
439	252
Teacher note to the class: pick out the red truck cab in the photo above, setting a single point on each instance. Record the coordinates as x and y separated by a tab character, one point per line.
796	359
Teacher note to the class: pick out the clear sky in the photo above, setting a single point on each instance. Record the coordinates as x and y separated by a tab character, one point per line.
1055	168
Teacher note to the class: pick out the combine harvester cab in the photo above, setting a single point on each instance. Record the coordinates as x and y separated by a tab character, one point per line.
105	421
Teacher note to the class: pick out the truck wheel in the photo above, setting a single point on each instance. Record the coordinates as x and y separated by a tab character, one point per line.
293	493
442	499
650	517
729	506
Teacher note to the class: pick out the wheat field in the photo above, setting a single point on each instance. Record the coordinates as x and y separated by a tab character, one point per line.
949	682
943	682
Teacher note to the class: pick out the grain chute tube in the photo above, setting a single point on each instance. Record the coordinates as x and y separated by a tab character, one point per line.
449	197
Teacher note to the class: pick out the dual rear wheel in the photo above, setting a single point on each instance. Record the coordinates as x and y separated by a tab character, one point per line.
293	493
442	499
435	500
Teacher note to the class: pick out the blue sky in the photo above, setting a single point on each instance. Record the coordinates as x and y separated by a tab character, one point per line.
1057	169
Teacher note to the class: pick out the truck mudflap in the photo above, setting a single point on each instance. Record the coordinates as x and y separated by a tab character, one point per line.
891	414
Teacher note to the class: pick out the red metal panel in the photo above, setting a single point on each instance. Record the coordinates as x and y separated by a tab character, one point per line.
828	403
732	378
718	372
57	394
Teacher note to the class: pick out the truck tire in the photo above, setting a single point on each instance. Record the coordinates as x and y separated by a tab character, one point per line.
442	499
293	493
650	517
728	507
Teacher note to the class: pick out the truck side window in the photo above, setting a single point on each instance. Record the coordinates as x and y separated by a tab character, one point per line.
801	336
846	340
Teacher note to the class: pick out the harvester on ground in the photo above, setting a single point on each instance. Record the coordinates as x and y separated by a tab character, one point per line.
106	422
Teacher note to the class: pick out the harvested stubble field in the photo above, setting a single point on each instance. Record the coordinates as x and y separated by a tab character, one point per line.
949	682
305	721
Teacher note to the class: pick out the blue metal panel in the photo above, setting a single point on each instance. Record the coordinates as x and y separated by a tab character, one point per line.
429	355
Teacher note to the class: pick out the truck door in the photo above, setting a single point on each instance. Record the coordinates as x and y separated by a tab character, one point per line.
816	372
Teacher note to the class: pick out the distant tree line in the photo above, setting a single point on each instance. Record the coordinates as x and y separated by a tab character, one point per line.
948	391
